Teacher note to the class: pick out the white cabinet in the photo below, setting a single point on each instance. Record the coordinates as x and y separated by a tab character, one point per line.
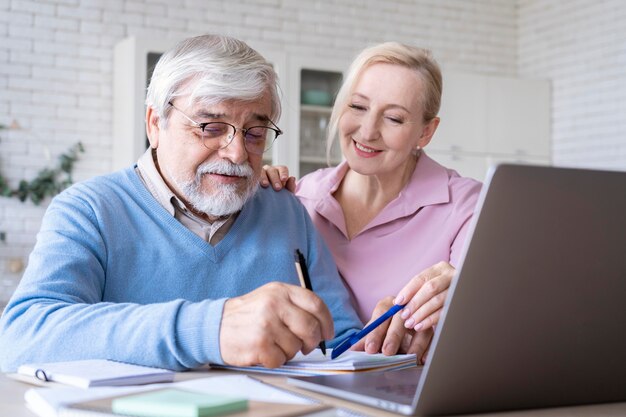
312	139
463	114
488	119
133	63
518	121
466	164
312	86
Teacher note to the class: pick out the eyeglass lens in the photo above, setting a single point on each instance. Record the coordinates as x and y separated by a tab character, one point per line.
257	139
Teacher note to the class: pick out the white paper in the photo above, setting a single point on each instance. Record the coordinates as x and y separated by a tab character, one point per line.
46	402
315	363
244	386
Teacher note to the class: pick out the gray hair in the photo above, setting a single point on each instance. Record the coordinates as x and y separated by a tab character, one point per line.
211	69
417	59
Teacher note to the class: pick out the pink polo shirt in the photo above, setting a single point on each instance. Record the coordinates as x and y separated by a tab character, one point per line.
427	223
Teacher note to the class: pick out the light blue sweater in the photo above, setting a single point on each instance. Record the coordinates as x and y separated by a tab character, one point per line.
113	275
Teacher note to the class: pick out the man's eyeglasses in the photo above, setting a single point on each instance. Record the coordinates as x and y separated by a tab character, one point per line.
218	135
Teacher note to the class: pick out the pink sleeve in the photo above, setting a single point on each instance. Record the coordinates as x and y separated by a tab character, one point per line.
464	213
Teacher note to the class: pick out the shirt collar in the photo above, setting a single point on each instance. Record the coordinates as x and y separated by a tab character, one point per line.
156	185
428	186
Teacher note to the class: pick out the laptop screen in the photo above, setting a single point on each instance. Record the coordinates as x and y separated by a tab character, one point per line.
535	316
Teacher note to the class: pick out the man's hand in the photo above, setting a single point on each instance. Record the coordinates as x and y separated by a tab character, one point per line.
269	325
278	176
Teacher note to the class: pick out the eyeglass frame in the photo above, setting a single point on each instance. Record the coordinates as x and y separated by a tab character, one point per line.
244	131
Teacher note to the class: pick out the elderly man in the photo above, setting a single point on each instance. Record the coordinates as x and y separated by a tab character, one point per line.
181	260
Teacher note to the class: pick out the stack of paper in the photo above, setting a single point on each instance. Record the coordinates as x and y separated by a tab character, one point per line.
315	363
264	400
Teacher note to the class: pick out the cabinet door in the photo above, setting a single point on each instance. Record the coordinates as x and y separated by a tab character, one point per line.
134	60
312	86
488	119
463	114
518	120
467	165
476	165
314	120
279	62
526	160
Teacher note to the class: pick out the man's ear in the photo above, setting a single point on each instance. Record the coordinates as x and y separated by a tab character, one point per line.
428	132
152	127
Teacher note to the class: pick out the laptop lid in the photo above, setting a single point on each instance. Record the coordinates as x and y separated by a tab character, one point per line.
536	316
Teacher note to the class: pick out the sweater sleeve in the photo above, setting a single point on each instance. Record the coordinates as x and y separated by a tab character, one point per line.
57	312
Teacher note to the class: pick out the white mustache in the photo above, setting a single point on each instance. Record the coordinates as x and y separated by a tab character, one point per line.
224	167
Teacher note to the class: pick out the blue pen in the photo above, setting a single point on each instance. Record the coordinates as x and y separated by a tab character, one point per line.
351	340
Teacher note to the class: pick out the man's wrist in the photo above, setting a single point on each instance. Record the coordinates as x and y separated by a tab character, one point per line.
198	328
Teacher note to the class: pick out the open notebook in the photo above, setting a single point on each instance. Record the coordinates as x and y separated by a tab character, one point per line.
95	373
315	363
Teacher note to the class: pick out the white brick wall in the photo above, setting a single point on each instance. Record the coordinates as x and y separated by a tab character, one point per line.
56	68
581	46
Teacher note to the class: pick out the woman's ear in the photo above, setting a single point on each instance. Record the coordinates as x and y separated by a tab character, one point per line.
428	132
152	127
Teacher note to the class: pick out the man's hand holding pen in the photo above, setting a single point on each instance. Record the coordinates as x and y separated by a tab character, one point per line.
269	325
305	282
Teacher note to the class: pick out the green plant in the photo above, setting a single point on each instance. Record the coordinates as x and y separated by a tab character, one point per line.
48	182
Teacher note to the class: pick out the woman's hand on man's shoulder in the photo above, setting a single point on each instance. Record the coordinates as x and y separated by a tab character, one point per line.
278	176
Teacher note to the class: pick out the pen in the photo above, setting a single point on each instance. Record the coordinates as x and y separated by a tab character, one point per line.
352	339
305	282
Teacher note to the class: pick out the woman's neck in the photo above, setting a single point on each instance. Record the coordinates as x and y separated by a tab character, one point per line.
363	197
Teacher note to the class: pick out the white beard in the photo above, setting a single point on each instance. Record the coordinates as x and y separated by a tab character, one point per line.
225	199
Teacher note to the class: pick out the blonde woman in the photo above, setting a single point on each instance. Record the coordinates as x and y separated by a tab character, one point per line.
394	219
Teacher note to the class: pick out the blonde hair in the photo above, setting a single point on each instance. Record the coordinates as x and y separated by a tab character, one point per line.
417	59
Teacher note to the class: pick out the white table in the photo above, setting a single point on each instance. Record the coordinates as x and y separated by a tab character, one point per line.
12	402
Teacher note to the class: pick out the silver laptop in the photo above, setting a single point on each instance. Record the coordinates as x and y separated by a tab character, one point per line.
536	316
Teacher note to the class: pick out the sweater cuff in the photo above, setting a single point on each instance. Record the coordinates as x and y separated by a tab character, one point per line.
198	327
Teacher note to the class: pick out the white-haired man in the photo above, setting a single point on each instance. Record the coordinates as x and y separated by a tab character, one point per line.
181	260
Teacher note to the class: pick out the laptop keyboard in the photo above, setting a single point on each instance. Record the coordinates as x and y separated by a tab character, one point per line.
404	390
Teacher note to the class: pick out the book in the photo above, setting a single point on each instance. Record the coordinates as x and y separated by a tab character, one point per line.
95	373
174	402
315	363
